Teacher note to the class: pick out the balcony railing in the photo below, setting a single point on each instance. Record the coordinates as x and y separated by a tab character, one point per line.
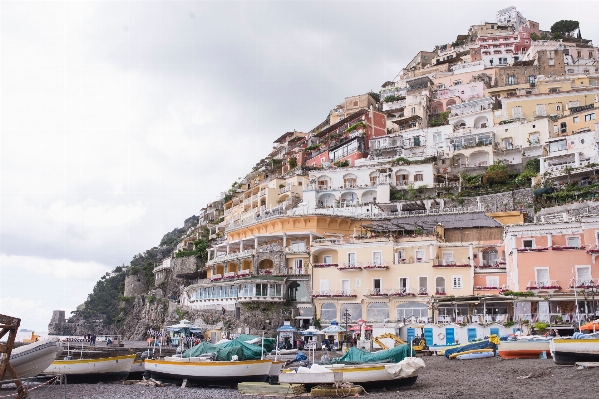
451	263
334	294
376	292
262	193
534	285
297	250
350	266
440	291
284	190
407	291
270	248
381	265
581	285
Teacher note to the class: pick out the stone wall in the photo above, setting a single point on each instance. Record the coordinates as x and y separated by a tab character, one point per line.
184	266
500	202
135	284
565	212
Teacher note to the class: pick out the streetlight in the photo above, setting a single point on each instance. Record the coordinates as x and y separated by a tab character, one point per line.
346	317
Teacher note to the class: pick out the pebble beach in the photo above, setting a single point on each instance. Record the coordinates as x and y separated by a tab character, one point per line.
442	378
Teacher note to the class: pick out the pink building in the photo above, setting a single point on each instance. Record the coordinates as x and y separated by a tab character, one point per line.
347	140
500	50
557	262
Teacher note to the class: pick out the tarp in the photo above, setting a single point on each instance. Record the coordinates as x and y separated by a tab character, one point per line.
491	343
269	343
358	356
225	350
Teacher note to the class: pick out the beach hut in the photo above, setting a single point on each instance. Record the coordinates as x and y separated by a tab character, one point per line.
285	335
181	331
333	332
312	335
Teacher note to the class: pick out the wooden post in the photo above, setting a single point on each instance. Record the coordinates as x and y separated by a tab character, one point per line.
10	325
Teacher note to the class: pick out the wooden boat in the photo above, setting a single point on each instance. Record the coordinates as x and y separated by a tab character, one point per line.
114	368
137	370
368	375
524	349
30	360
572	350
474	355
208	372
471	352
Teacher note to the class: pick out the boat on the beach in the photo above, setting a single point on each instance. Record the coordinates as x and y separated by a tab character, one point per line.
205	371
137	369
115	368
30	360
578	348
524	348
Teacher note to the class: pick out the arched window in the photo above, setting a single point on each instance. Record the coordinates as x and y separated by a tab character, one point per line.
377	312
415	310
440	285
328	312
354	309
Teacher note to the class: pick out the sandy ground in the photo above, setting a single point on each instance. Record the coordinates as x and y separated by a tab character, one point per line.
481	378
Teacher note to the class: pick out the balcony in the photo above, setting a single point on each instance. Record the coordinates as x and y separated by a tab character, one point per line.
270	248
501	289
297	249
376	266
440	263
285	189
581	285
216	277
262	193
350	267
377	293
323	265
440	291
334	294
530	249
401	292
540	286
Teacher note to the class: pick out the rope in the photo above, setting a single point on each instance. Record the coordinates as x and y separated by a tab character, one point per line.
53	379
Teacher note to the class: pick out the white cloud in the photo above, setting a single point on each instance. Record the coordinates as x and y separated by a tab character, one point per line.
33	313
58	268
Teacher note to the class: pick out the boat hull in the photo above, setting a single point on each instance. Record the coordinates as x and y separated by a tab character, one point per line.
137	370
570	351
31	360
523	349
93	370
209	373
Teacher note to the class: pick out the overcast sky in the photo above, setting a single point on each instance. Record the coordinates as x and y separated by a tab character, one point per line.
121	119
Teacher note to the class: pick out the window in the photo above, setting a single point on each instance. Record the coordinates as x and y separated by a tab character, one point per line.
590	54
558	107
261	289
492	281
298	266
517	112
423	285
542	276
419	255
448	258
540	110
416	141
418	177
576	119
413	110
377	258
351	259
358	282
551	61
345	286
511	80
457	83
456	282
490	258
589	117
327	259
532	79
403	283
579	54
563	128
573	241
530	243
399	255
377	284
324	286
440	86
583	276
559	145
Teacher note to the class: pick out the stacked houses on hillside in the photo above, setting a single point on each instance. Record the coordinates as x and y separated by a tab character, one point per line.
372	211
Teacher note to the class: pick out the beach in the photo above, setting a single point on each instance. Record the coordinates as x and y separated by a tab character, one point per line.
442	378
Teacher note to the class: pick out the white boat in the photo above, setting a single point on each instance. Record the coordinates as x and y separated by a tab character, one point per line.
208	372
524	348
371	375
572	350
137	369
113	368
30	360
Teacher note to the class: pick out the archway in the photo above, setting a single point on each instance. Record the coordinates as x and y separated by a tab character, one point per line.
377	312
323	182
349	197
354	309
368	196
437	107
246	265
449	102
481	122
326	200
220	269
479	158
402	177
350	180
328	312
459	124
232	267
265	264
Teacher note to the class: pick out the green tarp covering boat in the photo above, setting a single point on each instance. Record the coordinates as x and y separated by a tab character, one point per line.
236	347
358	356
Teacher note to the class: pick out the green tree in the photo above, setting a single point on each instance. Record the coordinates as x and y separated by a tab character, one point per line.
496	174
292	163
375	96
564	28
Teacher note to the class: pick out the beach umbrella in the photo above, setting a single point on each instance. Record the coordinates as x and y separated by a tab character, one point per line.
286	327
359	328
334	328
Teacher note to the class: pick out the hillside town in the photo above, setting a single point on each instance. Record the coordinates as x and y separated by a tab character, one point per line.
461	192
